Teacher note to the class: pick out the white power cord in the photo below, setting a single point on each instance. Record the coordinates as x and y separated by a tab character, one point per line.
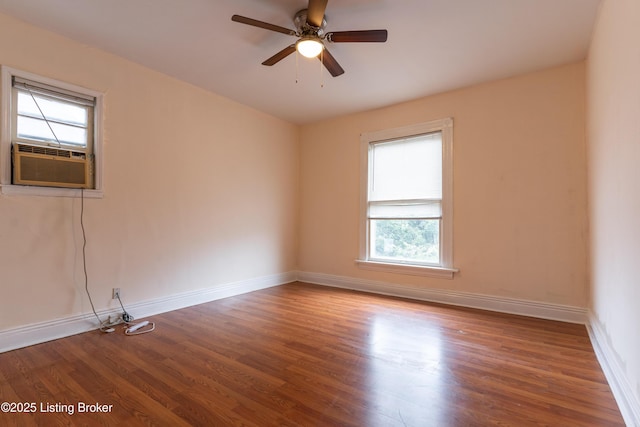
137	328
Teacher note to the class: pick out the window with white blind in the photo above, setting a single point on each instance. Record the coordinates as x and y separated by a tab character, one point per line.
51	136
406	200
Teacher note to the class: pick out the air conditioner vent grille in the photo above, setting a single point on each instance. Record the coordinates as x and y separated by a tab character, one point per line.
48	151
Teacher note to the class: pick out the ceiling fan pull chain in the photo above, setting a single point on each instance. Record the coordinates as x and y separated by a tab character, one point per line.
321	67
297	54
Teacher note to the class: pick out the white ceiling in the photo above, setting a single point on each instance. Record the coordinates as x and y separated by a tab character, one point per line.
433	45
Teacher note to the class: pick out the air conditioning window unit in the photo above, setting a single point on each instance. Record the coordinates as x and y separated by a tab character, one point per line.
51	167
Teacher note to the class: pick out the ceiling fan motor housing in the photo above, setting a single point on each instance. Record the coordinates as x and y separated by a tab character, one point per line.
304	28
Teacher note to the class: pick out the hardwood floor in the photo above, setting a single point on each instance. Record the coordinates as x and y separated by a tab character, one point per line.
304	355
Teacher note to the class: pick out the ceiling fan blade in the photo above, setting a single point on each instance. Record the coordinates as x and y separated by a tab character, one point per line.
375	36
280	55
330	63
315	12
260	24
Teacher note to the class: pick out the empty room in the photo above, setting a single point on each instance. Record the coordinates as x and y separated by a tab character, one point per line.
320	213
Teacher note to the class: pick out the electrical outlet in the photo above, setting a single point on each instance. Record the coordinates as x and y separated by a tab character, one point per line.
116	293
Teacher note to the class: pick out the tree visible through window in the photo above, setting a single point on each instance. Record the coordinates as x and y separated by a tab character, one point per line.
406	240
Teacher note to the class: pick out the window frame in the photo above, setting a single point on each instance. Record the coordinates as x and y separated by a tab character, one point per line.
445	268
7	122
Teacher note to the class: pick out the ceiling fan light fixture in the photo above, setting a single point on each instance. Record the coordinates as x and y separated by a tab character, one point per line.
309	47
310	26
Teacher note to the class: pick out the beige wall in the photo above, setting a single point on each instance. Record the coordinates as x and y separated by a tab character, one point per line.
519	188
614	181
199	191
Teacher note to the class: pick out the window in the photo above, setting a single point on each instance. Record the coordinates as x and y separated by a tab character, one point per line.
51	139
406	200
47	116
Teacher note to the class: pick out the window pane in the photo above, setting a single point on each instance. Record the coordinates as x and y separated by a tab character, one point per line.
407	169
52	109
37	129
407	240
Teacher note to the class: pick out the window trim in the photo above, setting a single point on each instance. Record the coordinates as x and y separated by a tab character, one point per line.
6	107
445	269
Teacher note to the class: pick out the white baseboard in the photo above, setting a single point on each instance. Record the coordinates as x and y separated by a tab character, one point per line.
537	309
36	333
628	403
187	299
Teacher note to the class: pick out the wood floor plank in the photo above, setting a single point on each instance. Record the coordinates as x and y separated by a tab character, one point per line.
305	355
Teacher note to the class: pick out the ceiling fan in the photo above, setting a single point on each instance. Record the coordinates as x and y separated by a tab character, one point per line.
310	24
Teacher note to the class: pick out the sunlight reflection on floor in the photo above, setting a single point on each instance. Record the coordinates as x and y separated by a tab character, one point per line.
406	357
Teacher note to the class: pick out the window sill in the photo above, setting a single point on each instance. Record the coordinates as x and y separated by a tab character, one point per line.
414	270
27	190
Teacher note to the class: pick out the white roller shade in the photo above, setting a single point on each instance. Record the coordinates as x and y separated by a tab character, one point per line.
424	210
